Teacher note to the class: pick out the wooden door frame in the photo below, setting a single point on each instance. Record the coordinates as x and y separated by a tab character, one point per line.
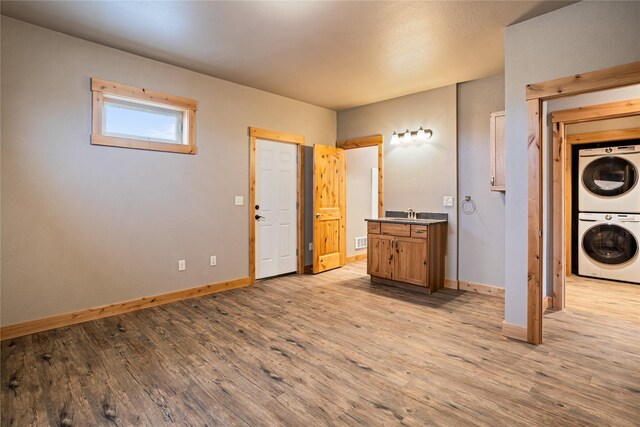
562	176
535	95
289	138
370	141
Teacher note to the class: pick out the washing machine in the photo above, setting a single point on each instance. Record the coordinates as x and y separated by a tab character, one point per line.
609	246
609	179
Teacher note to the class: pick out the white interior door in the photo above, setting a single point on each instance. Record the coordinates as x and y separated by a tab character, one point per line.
276	208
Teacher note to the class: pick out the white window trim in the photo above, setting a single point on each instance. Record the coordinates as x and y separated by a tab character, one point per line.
104	89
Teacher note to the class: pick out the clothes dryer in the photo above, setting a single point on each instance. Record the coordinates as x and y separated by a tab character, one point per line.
609	179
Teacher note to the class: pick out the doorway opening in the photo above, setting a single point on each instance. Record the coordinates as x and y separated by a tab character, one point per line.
330	200
536	94
276	199
365	182
568	190
362	198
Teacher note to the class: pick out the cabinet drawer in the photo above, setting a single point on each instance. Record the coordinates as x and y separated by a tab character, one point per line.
419	231
373	227
403	230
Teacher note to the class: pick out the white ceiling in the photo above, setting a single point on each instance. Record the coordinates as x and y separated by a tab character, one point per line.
328	53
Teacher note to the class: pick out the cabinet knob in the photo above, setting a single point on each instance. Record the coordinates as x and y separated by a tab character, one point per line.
493	180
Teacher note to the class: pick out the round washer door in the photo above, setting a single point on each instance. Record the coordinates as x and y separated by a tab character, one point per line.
609	244
610	176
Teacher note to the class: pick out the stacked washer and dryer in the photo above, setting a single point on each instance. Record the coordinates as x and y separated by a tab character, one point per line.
609	213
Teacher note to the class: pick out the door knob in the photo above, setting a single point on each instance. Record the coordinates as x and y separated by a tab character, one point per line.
317	215
259	217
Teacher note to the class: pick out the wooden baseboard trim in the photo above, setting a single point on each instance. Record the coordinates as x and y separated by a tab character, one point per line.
66	319
547	302
450	284
514	331
481	288
357	257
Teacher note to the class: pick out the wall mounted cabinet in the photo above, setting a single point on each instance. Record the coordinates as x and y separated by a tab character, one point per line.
497	142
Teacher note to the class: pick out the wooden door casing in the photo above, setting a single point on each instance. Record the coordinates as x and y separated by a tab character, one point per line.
536	94
271	135
410	264
329	205
380	256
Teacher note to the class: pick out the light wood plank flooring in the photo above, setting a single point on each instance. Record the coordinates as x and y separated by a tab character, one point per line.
332	349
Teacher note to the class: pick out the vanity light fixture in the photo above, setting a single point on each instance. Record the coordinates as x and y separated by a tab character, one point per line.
421	135
395	140
408	136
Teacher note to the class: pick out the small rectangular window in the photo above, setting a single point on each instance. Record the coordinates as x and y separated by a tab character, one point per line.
125	116
137	120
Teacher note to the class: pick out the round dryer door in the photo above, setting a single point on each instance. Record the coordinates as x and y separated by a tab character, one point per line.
610	176
610	244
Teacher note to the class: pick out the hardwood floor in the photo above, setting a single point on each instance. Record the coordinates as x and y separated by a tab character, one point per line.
332	349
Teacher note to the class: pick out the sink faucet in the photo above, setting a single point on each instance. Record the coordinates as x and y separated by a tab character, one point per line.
411	214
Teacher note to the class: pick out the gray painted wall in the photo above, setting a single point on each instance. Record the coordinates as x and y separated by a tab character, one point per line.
83	225
482	234
359	164
417	175
594	35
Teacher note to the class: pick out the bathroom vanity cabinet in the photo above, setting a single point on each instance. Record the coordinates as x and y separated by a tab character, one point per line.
404	251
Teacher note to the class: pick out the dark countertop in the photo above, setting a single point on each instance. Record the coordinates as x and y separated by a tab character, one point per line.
408	221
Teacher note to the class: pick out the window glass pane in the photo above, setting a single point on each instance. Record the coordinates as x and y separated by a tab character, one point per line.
139	121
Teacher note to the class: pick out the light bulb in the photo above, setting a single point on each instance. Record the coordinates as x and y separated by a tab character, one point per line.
421	135
406	137
394	139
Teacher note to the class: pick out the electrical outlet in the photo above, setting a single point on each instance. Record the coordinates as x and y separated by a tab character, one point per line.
310	247
182	265
213	261
447	201
239	201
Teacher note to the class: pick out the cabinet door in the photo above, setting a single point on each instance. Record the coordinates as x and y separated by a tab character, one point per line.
411	261
380	256
496	135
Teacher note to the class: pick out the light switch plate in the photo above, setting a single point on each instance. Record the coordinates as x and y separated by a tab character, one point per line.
182	265
239	200
447	201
